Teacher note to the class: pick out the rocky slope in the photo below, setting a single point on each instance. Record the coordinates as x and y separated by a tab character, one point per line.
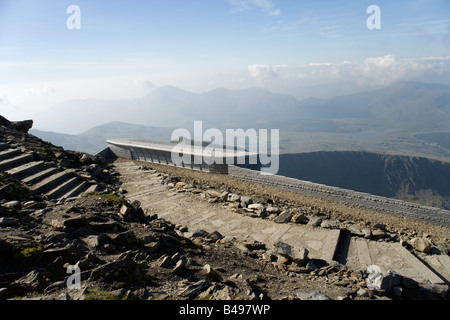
123	252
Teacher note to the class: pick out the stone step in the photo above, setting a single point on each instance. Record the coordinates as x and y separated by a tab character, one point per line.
48	183
9	153
76	191
441	264
62	188
26	169
391	256
92	188
37	177
3	146
16	161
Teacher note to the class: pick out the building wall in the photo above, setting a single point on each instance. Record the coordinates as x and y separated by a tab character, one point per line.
120	152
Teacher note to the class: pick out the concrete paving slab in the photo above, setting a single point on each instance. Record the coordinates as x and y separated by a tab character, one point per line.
440	263
187	209
363	253
417	264
389	256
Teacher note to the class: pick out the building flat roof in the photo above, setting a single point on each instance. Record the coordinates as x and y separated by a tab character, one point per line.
194	150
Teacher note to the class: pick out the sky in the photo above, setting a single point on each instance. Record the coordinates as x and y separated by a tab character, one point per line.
124	49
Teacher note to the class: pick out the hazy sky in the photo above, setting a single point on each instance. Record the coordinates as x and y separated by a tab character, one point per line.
124	48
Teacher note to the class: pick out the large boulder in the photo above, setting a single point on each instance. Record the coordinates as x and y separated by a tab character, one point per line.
297	254
23	126
421	244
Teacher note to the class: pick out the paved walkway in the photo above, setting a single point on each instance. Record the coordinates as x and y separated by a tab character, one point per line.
187	209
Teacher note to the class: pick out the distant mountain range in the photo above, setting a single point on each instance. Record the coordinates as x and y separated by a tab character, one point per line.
405	106
407	117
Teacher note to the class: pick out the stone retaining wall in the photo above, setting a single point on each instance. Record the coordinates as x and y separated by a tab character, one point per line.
395	207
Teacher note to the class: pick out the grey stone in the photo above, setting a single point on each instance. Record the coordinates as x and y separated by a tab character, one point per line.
241	246
179	265
245	200
75	222
124	238
85	159
53	253
443	247
92	241
164	261
297	254
330	224
193	233
223	294
33	281
94	169
23	126
355	230
421	244
315	222
315	295
300	218
362	293
256	206
259	209
194	289
213	193
152	247
209	273
284	217
271	210
367	233
8	222
379	234
12	204
215	235
224	196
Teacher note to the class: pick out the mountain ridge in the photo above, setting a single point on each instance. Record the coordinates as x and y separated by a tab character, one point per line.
413	106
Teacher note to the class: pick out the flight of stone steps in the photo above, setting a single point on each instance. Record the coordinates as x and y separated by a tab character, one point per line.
42	177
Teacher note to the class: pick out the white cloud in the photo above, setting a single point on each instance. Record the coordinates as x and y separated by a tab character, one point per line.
262	72
144	84
372	71
265	6
45	90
